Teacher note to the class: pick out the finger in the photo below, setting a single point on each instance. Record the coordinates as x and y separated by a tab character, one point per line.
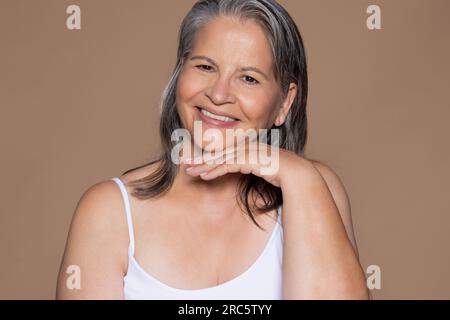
218	154
210	159
195	170
225	168
219	171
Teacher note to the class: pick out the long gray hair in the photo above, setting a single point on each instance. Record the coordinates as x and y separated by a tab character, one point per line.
289	61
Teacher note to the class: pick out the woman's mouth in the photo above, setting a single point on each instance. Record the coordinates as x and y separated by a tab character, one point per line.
214	119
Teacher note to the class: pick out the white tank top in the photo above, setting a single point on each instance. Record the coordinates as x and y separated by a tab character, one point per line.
261	281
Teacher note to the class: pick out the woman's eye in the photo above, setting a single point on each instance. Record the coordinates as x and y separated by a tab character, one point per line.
204	67
251	80
207	68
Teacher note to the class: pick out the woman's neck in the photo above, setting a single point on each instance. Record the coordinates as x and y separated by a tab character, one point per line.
216	193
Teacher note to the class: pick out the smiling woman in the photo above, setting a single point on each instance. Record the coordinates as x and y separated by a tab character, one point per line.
223	230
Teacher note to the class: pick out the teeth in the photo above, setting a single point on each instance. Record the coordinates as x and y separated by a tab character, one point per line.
217	117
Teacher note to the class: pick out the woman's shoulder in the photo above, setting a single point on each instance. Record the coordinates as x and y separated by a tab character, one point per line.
332	180
100	205
330	176
104	198
324	168
97	241
98	225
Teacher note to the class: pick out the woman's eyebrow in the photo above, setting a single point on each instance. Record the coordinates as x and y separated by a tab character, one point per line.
242	69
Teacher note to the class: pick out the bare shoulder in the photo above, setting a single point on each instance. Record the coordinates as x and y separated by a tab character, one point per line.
100	206
332	179
340	196
97	244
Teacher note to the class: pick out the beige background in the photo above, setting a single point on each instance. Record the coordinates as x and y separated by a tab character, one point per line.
78	107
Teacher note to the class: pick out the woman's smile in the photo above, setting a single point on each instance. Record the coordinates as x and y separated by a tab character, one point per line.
214	119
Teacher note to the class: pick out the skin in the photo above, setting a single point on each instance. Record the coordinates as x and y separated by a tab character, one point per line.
316	218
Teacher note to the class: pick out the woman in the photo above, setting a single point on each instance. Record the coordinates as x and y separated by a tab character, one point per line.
219	229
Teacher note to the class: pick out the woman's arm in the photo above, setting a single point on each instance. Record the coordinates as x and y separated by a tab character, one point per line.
341	199
96	246
320	259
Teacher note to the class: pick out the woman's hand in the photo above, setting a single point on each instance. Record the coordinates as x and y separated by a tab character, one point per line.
273	164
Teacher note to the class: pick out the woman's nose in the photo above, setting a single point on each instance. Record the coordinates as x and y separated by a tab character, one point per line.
220	91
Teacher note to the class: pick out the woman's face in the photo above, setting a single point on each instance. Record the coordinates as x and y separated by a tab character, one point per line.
228	81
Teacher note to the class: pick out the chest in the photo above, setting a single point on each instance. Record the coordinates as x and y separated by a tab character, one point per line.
187	252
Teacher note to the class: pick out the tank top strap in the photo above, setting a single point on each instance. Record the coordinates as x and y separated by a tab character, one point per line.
280	222
279	209
127	205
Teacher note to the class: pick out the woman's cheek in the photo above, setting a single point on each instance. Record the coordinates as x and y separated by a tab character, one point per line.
186	91
256	107
192	83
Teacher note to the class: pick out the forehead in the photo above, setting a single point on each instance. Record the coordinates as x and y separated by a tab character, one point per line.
231	41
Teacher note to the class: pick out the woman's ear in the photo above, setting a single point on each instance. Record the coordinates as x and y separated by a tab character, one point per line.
286	105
